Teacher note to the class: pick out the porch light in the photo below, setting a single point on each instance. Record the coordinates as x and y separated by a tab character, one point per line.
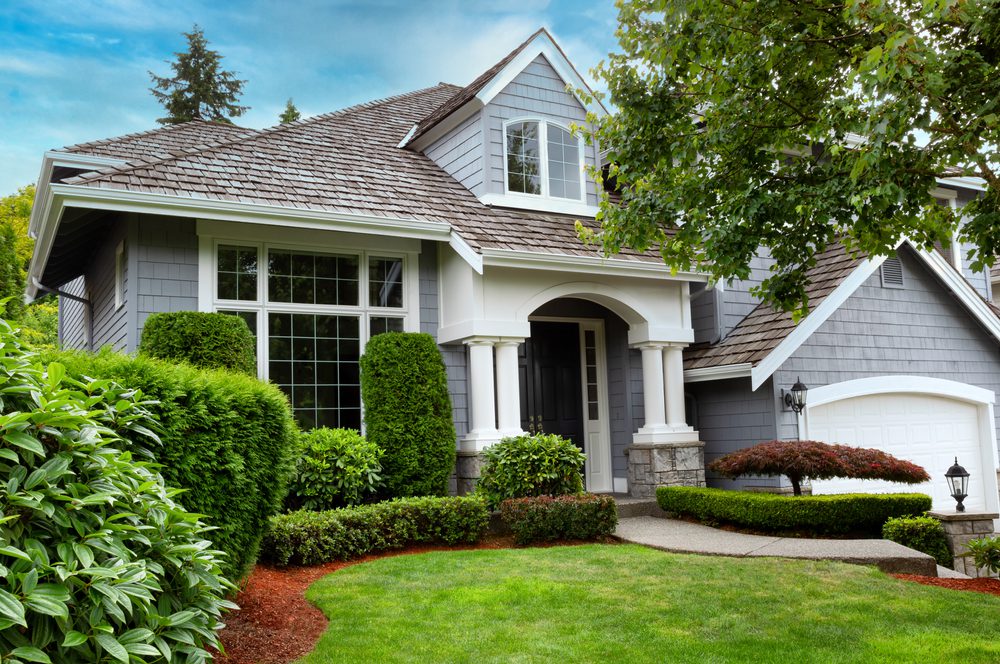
958	482
796	398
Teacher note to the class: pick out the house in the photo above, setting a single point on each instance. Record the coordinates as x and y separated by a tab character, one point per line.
451	211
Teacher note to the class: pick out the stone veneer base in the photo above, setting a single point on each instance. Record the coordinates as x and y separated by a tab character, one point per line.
664	464
961	528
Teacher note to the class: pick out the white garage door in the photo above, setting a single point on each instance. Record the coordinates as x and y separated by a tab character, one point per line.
927	430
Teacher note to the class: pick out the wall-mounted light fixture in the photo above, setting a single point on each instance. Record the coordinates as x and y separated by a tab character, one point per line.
796	397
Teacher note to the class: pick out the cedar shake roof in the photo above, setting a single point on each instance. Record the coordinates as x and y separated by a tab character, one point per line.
347	161
163	142
764	328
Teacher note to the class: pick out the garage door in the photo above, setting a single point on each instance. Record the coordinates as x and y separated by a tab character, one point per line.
927	430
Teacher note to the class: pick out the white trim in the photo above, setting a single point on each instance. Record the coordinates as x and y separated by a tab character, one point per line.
406	139
590	264
703	374
976	184
468	254
78	160
119	275
963	290
543	163
539	203
811	323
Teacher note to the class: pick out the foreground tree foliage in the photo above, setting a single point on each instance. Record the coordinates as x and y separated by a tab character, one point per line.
97	561
199	88
739	125
798	459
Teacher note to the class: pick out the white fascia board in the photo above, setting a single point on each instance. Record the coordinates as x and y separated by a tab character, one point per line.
542	44
78	160
963	290
705	374
406	139
588	264
468	254
49	214
811	323
447	124
976	184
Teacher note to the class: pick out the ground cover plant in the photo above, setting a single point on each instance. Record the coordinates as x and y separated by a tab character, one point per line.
335	468
545	518
856	513
798	459
207	340
98	562
627	603
985	553
922	533
408	412
530	465
227	440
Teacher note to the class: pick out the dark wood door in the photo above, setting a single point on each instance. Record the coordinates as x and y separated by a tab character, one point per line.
549	365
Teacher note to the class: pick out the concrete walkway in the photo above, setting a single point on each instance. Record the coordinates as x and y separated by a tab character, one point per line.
684	537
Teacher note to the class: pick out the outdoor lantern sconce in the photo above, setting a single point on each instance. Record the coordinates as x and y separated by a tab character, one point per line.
958	482
796	398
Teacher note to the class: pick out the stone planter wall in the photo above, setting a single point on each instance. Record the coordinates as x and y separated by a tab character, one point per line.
664	464
961	528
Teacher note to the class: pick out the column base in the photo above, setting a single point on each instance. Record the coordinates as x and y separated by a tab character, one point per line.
477	441
664	435
960	528
651	465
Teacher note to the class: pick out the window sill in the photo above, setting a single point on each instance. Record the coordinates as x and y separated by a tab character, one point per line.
539	203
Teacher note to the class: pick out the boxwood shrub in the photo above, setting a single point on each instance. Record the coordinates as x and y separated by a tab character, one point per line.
308	538
408	412
207	340
335	468
545	518
227	440
828	514
538	465
922	533
98	563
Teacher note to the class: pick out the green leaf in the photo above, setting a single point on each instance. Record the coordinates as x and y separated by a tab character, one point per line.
24	441
112	647
31	654
56	373
47	605
179	618
11	608
74	638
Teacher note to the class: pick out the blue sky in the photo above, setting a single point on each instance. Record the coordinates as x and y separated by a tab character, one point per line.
76	70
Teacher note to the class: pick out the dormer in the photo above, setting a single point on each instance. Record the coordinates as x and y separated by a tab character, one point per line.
507	136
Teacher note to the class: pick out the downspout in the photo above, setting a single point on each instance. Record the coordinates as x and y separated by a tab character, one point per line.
76	298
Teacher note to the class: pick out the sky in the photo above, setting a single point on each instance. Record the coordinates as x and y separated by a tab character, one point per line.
77	70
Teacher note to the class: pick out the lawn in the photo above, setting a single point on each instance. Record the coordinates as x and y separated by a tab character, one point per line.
632	604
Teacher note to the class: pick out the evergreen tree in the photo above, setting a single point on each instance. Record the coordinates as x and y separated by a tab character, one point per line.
199	89
291	114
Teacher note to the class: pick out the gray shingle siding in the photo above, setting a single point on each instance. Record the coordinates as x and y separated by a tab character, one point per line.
460	153
72	317
737	301
920	329
538	91
166	266
704	312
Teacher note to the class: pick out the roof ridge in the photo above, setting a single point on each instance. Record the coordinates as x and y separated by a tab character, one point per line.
258	133
147	132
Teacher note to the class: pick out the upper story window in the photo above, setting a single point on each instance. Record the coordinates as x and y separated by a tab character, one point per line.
543	159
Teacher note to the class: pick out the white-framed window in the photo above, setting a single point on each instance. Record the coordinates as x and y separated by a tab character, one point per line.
312	311
543	158
120	275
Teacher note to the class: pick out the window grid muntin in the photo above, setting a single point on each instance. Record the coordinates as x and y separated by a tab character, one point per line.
543	125
563	163
590	368
243	277
523	156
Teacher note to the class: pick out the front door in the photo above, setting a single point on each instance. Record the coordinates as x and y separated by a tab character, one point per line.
551	391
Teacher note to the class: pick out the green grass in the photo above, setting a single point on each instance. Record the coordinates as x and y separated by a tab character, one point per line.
628	603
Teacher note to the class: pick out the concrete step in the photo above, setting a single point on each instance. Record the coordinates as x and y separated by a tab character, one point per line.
629	507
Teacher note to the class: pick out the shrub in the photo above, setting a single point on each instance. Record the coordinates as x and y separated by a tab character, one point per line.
819	461
546	518
538	465
335	468
228	440
308	538
842	513
97	561
922	533
210	341
408	412
986	553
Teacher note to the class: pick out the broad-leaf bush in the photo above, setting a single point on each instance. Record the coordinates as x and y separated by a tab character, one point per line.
335	468
98	563
228	440
545	518
408	412
819	461
538	465
840	513
207	340
309	538
985	553
921	533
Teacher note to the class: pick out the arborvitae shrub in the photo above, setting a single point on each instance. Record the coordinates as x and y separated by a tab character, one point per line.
227	439
212	341
98	562
408	412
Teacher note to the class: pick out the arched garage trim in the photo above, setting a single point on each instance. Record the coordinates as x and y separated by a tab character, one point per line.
982	398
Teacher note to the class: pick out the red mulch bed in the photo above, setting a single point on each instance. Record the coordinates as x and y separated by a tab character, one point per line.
984	585
275	623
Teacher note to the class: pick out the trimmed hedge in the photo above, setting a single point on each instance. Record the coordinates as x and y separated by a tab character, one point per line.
841	513
227	439
408	412
309	538
206	340
335	468
545	518
922	533
538	465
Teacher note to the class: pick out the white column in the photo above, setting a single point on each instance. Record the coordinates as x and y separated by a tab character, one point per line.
508	388
673	380
482	410
652	389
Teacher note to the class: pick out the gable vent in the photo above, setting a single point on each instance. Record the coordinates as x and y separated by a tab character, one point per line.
892	273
